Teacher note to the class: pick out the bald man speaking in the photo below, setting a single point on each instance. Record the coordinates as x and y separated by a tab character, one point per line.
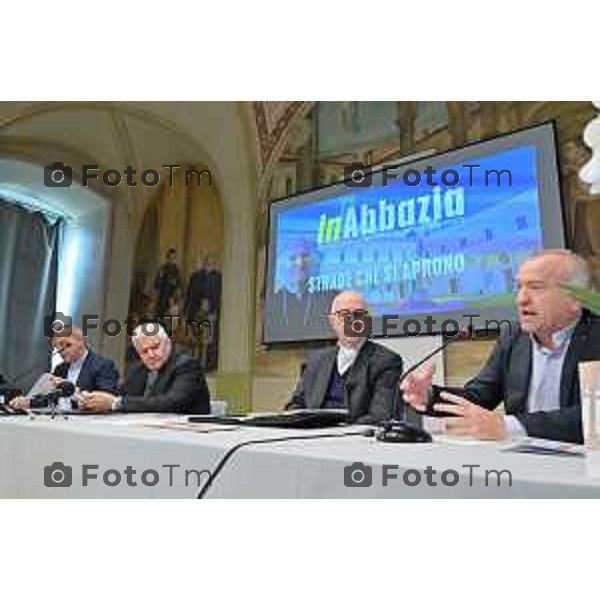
356	374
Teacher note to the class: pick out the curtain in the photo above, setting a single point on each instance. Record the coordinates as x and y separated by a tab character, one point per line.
28	275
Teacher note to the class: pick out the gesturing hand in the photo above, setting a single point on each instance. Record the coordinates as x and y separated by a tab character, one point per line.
471	419
415	387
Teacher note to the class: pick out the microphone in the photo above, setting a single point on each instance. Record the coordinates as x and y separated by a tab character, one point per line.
462	334
397	430
66	388
63	390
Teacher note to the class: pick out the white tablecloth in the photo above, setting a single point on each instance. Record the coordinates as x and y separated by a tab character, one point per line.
313	468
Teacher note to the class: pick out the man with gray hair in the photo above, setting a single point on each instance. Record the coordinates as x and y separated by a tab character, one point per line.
533	367
164	380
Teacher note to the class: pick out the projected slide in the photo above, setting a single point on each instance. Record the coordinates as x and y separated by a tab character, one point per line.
411	250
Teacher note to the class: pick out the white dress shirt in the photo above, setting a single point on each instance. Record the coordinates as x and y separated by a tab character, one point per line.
347	355
546	372
75	369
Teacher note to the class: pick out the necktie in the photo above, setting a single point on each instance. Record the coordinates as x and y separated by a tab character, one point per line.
150	381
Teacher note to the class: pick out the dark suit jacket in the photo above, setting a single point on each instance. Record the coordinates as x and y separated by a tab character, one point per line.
179	388
195	292
97	374
370	383
507	373
7	390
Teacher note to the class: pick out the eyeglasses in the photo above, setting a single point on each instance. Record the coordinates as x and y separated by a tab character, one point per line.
344	313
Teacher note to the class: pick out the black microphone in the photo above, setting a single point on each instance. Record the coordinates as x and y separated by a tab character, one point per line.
63	390
66	388
399	430
462	334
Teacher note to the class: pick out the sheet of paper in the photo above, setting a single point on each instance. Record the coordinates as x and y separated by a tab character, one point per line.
43	385
540	446
194	427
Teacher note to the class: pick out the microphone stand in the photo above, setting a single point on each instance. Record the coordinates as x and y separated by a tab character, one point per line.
53	400
61	392
398	429
64	390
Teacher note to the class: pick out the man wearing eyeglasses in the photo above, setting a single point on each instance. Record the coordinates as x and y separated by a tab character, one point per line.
355	374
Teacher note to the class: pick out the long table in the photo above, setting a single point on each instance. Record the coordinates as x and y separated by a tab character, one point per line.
138	449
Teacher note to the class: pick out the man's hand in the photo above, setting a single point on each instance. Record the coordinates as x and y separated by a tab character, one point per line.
471	420
55	380
415	387
20	403
99	402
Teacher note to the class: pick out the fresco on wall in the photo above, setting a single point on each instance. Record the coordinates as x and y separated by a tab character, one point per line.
348	127
177	275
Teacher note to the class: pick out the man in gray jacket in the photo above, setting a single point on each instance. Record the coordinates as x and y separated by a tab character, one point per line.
356	374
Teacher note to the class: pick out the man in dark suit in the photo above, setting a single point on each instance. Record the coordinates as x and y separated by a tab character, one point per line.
356	374
167	284
81	366
196	291
533	367
164	380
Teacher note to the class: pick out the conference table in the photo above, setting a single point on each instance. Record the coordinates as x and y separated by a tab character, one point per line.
163	456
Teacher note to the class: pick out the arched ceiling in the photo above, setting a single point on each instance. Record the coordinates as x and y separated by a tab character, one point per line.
145	135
